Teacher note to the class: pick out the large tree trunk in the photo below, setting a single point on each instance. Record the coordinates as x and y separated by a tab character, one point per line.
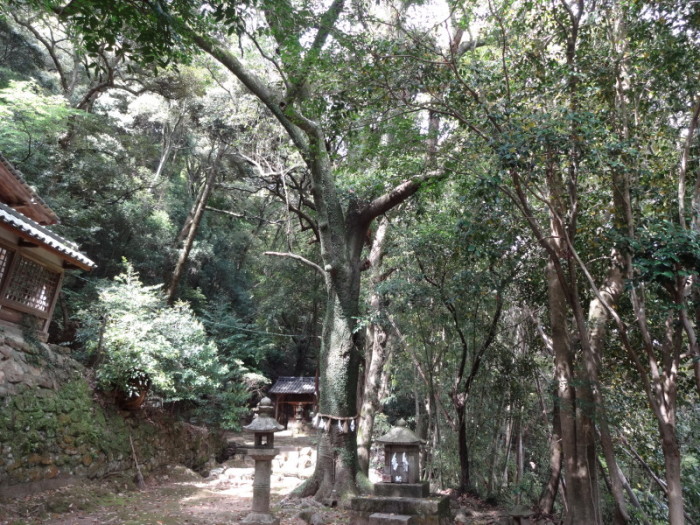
342	237
578	439
336	472
672	462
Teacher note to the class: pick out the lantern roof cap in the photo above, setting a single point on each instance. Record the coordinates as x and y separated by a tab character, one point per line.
399	435
264	422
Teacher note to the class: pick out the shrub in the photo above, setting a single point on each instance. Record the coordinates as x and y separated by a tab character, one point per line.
134	337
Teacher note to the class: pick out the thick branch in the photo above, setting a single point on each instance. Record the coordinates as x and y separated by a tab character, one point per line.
396	196
249	80
684	169
50	49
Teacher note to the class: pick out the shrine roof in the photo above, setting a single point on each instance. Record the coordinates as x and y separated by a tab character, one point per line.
294	385
32	231
399	435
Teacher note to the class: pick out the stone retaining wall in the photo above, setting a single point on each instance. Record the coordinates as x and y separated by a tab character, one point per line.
52	425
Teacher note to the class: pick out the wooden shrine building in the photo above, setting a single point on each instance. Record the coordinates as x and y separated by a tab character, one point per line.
32	257
294	398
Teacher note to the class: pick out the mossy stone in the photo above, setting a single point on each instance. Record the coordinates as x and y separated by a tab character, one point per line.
66	406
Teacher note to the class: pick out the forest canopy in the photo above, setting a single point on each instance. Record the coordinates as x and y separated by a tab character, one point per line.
481	217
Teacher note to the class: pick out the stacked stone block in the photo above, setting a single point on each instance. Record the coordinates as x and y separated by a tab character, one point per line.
52	425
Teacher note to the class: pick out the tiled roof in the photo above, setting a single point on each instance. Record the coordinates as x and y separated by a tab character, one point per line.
33	230
294	385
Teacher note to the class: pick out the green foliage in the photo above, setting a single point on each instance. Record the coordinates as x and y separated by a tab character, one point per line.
507	108
663	252
31	118
136	338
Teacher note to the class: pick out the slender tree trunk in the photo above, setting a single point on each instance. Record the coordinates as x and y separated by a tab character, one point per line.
507	443
493	448
433	437
694	282
549	492
192	228
465	484
597	322
377	353
519	456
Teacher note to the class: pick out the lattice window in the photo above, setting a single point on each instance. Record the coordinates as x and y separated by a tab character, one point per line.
4	261
32	285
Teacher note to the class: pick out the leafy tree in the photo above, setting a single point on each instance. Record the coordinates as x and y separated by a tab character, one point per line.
158	33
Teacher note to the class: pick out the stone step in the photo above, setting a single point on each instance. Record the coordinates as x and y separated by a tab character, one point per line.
381	518
401	506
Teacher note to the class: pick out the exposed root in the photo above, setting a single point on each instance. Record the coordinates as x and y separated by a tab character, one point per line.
307	488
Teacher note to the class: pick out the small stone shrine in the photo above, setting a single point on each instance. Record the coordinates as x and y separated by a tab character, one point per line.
401	498
264	427
401	470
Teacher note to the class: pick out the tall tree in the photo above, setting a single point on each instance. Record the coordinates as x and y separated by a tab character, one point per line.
295	97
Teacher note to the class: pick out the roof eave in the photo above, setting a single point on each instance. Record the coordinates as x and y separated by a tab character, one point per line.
72	261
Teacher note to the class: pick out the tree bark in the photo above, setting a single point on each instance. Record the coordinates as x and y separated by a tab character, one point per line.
465	482
597	322
549	492
377	352
666	417
575	416
672	462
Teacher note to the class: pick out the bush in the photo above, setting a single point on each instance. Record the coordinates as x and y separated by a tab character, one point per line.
134	337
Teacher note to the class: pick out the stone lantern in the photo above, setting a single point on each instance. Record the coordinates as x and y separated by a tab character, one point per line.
401	469
264	427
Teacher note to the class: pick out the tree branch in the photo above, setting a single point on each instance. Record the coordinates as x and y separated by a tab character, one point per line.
299	258
396	196
684	169
50	49
270	99
327	23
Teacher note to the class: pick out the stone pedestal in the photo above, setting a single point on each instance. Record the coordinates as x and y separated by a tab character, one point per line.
260	518
371	510
380	518
261	487
402	490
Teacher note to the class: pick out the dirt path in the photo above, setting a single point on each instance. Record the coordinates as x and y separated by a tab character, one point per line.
177	496
181	498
